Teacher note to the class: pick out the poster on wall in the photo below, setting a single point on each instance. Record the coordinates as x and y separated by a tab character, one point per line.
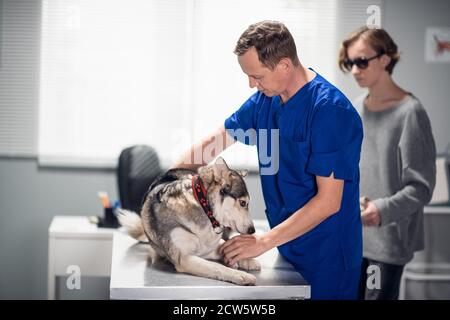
437	45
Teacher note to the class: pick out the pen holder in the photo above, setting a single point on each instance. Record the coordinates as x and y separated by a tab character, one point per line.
109	219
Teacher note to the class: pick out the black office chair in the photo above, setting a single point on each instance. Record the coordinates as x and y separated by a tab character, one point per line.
137	168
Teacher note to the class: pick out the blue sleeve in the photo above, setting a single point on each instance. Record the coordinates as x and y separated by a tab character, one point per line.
336	137
241	125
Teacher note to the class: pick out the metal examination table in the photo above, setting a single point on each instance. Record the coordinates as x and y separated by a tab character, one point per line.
133	276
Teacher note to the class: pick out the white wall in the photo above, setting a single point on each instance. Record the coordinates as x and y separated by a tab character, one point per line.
406	21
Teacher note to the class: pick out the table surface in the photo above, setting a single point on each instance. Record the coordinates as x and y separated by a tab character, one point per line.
437	210
77	227
133	276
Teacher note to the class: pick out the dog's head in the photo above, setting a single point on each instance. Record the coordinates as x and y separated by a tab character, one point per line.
229	196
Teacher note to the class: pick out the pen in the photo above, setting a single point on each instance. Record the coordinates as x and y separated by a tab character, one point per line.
103	195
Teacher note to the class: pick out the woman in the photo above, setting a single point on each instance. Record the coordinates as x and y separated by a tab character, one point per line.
397	164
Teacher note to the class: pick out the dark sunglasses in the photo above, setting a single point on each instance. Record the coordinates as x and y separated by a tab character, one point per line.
361	63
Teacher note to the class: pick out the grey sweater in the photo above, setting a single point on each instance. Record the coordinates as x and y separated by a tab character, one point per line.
398	173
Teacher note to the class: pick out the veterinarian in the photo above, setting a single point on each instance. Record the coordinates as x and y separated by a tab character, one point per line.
398	157
312	199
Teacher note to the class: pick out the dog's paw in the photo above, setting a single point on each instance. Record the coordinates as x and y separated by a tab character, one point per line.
249	265
244	279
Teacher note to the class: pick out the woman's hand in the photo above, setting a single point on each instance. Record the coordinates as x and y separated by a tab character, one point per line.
243	247
371	217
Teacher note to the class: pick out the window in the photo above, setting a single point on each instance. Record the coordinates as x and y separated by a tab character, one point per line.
116	73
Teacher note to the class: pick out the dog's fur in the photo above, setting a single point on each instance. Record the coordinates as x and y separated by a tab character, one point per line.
178	229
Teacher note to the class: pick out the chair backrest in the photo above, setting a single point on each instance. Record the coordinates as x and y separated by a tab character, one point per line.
137	168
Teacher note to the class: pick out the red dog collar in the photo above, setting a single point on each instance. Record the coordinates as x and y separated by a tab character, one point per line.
200	195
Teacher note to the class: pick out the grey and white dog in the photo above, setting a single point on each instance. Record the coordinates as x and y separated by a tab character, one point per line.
177	228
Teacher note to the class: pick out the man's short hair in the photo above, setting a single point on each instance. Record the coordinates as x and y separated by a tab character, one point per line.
272	41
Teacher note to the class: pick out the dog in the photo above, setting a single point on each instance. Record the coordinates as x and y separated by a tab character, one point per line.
187	215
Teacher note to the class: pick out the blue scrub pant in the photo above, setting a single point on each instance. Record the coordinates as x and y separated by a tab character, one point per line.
333	285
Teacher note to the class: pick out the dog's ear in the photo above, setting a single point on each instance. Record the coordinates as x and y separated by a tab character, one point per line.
225	189
221	161
242	173
220	169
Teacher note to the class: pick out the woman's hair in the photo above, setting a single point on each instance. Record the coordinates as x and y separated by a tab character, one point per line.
272	41
378	39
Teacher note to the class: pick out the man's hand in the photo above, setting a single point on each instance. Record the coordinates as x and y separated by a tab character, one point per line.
371	217
243	247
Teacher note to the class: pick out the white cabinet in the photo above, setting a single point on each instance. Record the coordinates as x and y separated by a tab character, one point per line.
75	241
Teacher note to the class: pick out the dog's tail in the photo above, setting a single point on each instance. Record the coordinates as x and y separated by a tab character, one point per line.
132	222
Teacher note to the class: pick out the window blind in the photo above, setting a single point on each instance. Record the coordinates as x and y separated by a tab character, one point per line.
115	73
19	77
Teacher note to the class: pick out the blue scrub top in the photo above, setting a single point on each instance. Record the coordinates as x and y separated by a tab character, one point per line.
320	132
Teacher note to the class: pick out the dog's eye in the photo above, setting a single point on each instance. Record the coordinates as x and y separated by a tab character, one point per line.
242	203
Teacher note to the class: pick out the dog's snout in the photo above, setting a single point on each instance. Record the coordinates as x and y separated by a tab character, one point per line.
251	230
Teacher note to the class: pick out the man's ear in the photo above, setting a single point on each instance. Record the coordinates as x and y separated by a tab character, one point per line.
285	64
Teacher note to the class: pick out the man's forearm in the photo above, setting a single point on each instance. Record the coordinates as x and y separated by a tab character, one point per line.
202	153
187	160
326	202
